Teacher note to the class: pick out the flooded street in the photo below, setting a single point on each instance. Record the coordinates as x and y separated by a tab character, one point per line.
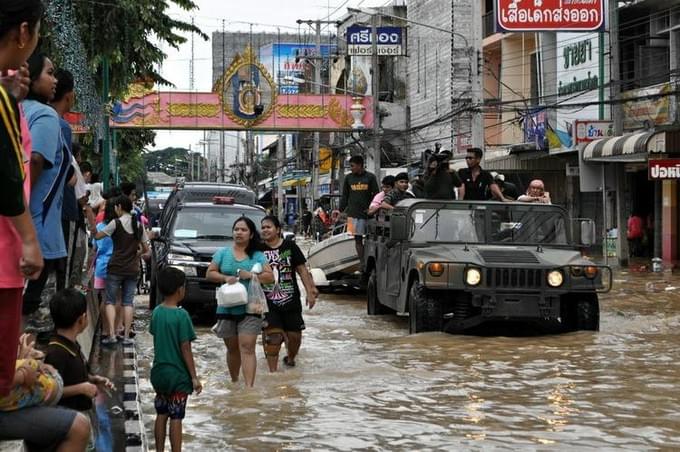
363	383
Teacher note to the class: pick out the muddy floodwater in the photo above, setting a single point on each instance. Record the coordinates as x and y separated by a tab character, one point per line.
363	383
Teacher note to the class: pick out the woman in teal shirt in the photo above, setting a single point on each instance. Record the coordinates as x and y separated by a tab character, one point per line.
238	329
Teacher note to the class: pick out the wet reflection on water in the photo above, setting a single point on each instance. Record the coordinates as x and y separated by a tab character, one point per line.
364	383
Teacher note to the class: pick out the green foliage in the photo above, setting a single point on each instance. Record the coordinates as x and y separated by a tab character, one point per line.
131	154
129	33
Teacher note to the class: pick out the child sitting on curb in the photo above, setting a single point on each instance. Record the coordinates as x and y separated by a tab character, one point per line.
69	313
173	374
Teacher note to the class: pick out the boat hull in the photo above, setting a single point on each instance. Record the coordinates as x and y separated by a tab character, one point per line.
336	254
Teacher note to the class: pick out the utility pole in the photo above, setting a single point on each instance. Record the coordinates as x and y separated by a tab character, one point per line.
374	160
280	157
474	53
317	90
318	59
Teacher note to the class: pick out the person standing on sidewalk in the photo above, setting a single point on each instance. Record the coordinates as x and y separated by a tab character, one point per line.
284	320
50	162
173	374
20	254
129	243
358	191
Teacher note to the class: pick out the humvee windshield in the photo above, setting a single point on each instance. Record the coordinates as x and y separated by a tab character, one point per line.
504	223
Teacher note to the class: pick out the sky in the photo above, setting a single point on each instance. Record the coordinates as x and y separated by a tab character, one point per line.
266	15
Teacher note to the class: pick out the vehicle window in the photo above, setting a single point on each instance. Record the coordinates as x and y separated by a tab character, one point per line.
196	223
528	226
448	225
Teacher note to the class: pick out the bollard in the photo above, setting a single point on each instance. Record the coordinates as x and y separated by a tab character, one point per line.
657	265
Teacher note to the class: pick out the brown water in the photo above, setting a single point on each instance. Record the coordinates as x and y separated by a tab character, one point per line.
364	383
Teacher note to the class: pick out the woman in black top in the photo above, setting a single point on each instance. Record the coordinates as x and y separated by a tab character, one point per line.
284	320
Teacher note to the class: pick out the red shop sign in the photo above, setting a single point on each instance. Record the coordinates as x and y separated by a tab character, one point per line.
664	169
550	15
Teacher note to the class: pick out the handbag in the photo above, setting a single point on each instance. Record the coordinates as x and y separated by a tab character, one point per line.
230	295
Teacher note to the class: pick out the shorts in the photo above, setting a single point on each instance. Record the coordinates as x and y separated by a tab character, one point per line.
99	283
230	327
41	427
10	324
356	226
172	405
286	320
114	284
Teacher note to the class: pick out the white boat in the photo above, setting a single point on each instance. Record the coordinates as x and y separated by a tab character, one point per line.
336	256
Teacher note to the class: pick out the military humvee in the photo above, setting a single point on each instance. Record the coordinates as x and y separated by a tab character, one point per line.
455	265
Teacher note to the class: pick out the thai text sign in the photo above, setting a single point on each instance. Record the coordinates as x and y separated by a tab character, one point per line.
359	41
183	110
550	15
647	112
664	169
587	131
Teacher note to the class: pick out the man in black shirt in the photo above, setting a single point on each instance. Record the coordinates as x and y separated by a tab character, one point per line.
358	189
476	181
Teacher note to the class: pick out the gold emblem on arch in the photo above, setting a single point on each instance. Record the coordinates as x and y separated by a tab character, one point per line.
247	91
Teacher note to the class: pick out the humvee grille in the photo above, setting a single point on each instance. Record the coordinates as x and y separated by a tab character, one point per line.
514	278
505	256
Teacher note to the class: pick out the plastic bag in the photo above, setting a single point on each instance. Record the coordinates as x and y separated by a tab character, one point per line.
230	295
257	302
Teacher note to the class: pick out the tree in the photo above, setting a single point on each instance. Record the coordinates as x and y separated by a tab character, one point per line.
80	34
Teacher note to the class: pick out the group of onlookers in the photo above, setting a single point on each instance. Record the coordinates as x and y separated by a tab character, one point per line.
51	201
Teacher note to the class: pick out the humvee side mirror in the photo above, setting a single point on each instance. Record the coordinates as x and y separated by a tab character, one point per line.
398	228
587	232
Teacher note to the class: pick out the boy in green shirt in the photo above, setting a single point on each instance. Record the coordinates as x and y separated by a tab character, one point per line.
173	374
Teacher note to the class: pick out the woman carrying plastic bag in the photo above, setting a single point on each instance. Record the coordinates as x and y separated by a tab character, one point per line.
235	325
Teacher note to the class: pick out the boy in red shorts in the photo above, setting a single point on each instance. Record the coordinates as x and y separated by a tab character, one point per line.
173	374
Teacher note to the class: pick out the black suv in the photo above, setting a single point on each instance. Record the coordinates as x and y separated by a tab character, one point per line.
196	222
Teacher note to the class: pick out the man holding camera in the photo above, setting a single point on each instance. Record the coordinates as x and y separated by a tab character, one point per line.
439	181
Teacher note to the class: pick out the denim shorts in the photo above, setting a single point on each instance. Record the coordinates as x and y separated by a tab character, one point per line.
356	226
114	284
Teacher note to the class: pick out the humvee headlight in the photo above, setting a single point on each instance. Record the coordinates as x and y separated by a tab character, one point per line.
436	268
555	278
591	272
473	276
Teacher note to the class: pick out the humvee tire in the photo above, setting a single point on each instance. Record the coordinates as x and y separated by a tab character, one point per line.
373	306
581	312
425	311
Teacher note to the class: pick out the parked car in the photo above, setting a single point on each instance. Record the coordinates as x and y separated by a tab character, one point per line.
454	265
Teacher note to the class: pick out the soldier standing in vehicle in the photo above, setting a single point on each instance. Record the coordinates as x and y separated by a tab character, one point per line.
477	181
359	188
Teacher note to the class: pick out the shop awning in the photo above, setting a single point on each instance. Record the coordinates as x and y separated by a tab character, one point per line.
626	148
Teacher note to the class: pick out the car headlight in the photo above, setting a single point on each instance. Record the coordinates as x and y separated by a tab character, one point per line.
555	278
473	276
189	271
180	257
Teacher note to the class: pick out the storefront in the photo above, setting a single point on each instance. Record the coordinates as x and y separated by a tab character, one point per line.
624	167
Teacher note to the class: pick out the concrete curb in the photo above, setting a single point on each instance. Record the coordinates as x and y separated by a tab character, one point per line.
135	437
